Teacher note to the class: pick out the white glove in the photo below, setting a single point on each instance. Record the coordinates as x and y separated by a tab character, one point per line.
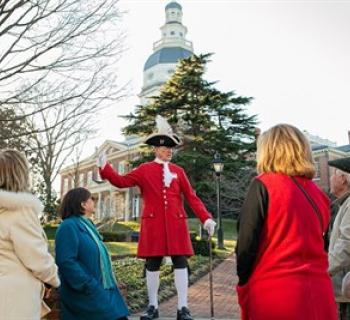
209	225
101	160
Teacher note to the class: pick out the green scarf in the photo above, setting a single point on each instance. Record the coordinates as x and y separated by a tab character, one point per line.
108	278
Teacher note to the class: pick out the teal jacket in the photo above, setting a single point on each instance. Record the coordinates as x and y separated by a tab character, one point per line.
82	294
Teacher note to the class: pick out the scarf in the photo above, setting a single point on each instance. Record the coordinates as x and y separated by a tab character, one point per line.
168	176
108	278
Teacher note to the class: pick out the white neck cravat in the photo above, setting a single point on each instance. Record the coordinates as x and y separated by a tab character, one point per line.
167	175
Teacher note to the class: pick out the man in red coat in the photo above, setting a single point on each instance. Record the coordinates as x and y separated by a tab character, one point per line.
164	230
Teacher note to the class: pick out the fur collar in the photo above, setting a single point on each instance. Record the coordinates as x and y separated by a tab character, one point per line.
15	200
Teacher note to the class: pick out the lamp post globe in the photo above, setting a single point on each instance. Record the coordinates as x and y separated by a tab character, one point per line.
218	166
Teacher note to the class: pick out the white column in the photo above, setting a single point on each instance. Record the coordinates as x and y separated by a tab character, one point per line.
127	204
99	206
110	202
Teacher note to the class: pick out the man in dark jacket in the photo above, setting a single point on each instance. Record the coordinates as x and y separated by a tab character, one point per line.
339	246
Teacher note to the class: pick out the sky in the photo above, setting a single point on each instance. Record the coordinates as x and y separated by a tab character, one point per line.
292	57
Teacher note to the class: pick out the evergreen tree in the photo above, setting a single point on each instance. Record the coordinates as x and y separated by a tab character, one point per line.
207	120
13	131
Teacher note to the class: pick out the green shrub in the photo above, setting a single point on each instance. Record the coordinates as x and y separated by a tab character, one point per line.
115	237
50	231
193	235
201	247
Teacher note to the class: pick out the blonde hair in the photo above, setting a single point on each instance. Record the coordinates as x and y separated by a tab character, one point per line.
284	149
14	171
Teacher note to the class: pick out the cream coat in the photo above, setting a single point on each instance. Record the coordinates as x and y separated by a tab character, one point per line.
339	249
25	263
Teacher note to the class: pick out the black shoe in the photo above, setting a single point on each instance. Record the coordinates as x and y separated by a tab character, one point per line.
184	314
151	313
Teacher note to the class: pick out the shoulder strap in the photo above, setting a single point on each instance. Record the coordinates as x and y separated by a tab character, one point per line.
312	202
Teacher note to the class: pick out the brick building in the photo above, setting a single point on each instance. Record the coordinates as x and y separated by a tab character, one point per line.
121	204
324	150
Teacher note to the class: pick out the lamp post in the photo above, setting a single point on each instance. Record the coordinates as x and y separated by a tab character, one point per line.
218	168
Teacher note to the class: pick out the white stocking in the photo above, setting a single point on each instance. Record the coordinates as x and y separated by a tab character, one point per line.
181	284
152	278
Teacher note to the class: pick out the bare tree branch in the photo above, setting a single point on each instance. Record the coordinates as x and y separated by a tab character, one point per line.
74	45
60	131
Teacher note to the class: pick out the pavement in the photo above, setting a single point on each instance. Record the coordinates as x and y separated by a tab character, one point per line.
225	298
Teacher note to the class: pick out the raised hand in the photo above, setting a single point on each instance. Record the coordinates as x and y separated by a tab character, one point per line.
101	160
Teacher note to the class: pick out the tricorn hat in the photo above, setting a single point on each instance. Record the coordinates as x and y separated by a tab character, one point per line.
341	164
164	137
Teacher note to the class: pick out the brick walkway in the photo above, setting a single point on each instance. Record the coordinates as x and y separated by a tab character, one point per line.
225	299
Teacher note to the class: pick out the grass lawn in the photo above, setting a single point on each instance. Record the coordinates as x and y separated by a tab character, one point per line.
50	230
122	226
129	248
121	248
228	226
114	248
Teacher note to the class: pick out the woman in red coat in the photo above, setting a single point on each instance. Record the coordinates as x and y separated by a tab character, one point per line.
164	230
281	261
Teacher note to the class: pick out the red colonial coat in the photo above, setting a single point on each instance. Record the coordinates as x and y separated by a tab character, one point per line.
164	230
290	280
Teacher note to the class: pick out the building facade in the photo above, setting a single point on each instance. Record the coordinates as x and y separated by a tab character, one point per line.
324	150
112	202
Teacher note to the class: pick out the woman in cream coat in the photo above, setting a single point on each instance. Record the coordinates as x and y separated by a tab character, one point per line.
27	270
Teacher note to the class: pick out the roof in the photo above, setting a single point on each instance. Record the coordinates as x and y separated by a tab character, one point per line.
173	5
167	55
319	147
345	148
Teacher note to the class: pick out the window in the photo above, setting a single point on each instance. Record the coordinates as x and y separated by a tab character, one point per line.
81	180
95	176
89	177
121	168
65	185
136	207
181	34
317	168
172	33
150	76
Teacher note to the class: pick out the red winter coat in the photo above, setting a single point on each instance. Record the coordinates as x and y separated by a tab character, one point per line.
164	230
290	280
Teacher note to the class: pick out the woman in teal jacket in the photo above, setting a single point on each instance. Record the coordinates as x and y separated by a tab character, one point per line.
88	286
